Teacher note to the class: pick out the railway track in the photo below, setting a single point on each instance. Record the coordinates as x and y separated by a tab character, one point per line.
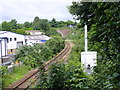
32	77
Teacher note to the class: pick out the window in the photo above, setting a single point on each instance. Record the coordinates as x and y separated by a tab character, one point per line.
11	50
19	44
10	39
25	40
15	39
7	40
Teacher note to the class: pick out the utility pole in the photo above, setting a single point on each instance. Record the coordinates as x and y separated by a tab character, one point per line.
88	58
86	41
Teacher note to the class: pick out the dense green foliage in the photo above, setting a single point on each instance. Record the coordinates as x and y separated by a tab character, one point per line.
52	32
103	20
54	23
36	55
103	37
27	24
40	24
16	73
44	25
64	77
13	26
59	24
32	57
68	76
55	44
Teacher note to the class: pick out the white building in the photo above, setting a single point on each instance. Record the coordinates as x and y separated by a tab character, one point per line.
35	37
32	39
10	42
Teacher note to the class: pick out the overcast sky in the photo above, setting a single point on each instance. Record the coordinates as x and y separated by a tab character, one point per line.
26	10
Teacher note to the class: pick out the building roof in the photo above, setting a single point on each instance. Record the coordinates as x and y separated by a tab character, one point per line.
37	37
3	32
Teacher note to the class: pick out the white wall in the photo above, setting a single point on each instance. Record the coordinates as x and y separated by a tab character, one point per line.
37	33
31	42
3	48
35	39
13	44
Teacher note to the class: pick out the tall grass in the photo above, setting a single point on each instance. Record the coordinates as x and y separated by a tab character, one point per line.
16	74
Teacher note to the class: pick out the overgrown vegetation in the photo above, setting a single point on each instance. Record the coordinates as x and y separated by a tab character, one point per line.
67	76
36	55
31	57
103	31
44	25
103	25
9	76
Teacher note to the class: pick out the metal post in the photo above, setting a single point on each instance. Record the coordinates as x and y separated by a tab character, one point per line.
86	42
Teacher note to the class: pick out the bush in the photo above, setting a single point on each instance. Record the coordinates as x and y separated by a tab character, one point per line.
68	76
37	54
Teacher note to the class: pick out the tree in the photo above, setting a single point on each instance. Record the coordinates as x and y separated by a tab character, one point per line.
56	44
20	26
69	22
6	26
35	23
27	24
103	22
21	31
54	23
61	24
81	11
44	25
13	24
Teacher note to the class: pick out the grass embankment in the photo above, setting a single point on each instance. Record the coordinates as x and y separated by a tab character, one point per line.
16	74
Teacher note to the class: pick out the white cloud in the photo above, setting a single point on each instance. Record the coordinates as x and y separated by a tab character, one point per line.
26	10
